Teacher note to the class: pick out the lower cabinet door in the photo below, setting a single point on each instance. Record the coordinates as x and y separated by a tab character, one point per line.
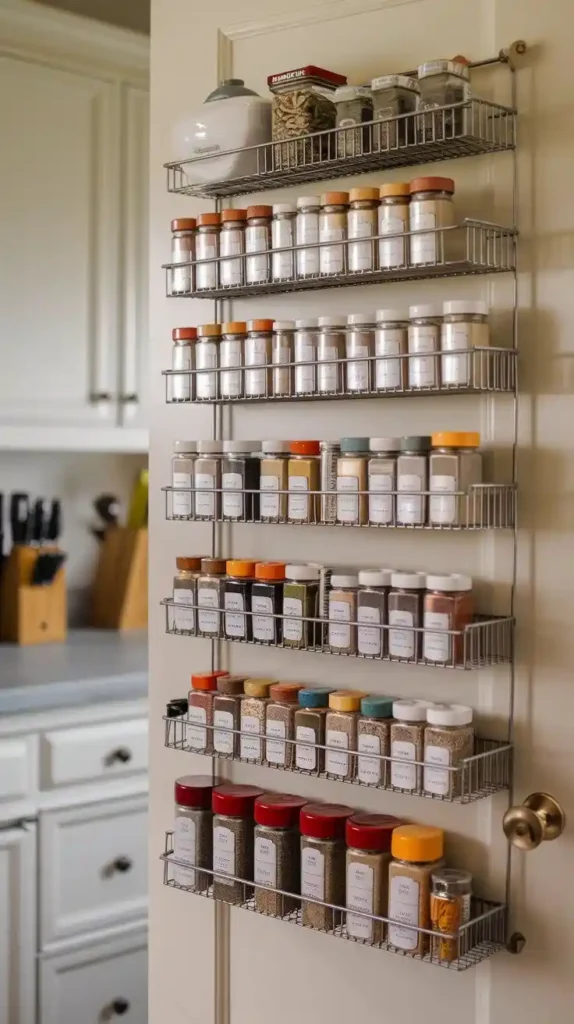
18	925
95	984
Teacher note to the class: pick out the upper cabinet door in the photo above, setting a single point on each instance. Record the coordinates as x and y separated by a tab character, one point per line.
17	926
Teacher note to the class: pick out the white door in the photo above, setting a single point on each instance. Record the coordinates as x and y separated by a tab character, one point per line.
18	925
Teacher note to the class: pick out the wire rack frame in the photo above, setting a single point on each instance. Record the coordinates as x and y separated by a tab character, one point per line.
477	940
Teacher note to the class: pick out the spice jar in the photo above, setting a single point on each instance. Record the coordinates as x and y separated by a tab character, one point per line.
393	224
417	853
373	611
182	361
333	228
200	711
352	508
343	613
207	250
283	237
360	342
406	599
283	351
301	600
273	479
258	353
412	478
382	475
233	840
341	733
330	451
184	593
443	83
362	223
182	251
253	718
240	473
280	723
231	358
207	361
374	737
193	830
182	475
302	104
368	857
310	728
448	605
227	714
449	740
232	243
208	480
210	597
258	240
237	599
267	601
354	105
391	339
424	337
450	907
307	234
407	744
455	465
331	345
393	96
431	208
322	862
306	338
464	327
302	481
277	861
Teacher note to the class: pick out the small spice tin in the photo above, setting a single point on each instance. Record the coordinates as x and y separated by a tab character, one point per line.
417	853
267	601
233	840
322	862
368	857
280	723
310	728
253	708
193	830
341	732
227	714
237	599
277	860
373	737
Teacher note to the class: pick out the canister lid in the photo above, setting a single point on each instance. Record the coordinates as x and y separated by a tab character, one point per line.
286	693
275	447
185	447
451	882
234	800
394	188
283	208
456	439
346	700
449	714
408	580
384	444
303	201
425	309
333	321
278	810
257	687
183	224
324	821
209	330
354	444
304	447
270	571
377	707
234	327
417	843
188	562
240	567
431	185
260	325
241	447
307	324
371	831
302	572
360	318
344	580
259	211
462	306
357	195
214	565
209	447
283	325
443	67
205	680
231	684
208	220
229	215
410	710
176	707
375	577
345	93
454	581
391	316
395	81
184	333
334	198
314	698
194	791
416	443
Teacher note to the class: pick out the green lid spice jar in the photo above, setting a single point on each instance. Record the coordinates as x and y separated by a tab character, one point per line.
341	733
233	840
322	862
193	830
417	853
280	723
373	737
301	600
310	728
368	857
412	480
277	861
227	714
253	708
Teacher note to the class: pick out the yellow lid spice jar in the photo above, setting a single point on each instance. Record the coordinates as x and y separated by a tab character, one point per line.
341	732
455	465
252	719
417	852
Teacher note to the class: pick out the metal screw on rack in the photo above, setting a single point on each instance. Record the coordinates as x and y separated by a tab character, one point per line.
516	943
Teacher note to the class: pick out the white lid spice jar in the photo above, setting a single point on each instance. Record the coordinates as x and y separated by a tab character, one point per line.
258	240
393	224
240	474
283	351
207	361
449	739
455	465
407	743
307	235
352	508
301	601
448	605
283	237
232	244
362	223
182	251
406	615
382	476
231	358
391	339
331	345
306	339
258	354
182	475
373	611
360	342
424	332
208	480
207	249
431	209
342	636
333	228
465	326
182	360
412	477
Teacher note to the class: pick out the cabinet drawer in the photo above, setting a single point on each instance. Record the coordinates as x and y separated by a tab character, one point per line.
18	767
93	867
94	752
96	984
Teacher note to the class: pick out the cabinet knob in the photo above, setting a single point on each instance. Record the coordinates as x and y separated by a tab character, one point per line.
100	396
127	399
120	1006
539	819
122	754
122	864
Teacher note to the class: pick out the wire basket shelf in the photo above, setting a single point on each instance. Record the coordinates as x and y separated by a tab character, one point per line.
477	940
445	133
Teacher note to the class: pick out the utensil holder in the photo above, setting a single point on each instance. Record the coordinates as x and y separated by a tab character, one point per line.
32	613
119	595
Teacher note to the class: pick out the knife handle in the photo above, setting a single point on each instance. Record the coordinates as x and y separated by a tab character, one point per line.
19	517
55	521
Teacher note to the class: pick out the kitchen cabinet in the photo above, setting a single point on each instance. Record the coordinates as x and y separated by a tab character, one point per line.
18	924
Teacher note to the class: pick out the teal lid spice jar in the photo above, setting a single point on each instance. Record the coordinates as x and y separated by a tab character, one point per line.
373	737
310	728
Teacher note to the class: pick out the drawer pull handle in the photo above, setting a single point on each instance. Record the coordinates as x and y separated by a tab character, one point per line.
122	864
122	754
120	1006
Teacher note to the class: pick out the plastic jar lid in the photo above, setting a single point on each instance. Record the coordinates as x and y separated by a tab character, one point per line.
213	565
394	188
410	710
408	580
360	319
234	327
449	714
371	831
228	215
185	447
424	311
304	201
259	211
456	439
441	67
451	882
307	324
184	333
377	707
416	443
461	306
209	330
304	447
384	444
286	693
241	447
188	562
209	447
391	316
345	93
375	577
270	571
206	680
333	321
210	220
358	195
183	224
314	698
346	700
237	801
454	581
431	185
231	684
417	843
278	810
275	447
396	82
283	325
354	444
257	687
283	208
240	567
334	199
324	821
194	791
260	325
339	580
302	572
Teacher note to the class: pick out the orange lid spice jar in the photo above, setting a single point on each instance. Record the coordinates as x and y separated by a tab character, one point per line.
431	207
258	240
267	602
237	599
455	464
417	852
200	711
303	479
182	251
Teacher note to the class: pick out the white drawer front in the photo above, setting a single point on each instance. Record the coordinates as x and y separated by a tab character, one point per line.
93	867
106	982
18	767
108	750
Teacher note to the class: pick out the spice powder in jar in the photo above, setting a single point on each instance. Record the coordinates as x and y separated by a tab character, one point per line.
182	251
200	712
341	733
431	209
417	853
333	228
239	475
208	480
343	614
373	738
193	830
368	857
382	476
182	475
412	480
185	594
207	251
257	359
267	602
237	599
406	599
280	723
253	708
323	863
393	224
310	729
352	465
407	744
301	600
210	597
373	611
303	473
227	714
362	223
231	358
449	740
258	240
448	605
273	480
277	859
233	840
455	464
232	243
182	361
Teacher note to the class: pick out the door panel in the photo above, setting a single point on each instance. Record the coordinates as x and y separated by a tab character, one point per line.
18	925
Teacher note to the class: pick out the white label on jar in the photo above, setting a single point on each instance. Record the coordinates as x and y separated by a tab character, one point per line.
223	853
392	250
232	503
223	741
380	505
404	906
206	273
234	624
181	385
255	354
231	245
436	646
282	237
307	231
423	369
388	371
358	373
360	895
269	502
183	618
409	506
404	776
275	751
423	247
327	373
305	757
312	873
305	375
455	369
263	625
204	499
230	352
401	641
339	634
347	506
207	621
250	745
197	733
230	380
331	257
442	505
298	504
184	848
257	267
436	780
369	770
336	761
206	361
369	638
361	254
182	499
265	862
292	628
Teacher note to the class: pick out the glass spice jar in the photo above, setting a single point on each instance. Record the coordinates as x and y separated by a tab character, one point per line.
182	251
443	83
210	597
333	228
393	225
274	479
303	474
330	451
240	474
207	362
342	635
267	601
374	738
185	593
231	358
301	600
283	237
208	480
394	96
200	712
391	339
233	840
407	744
360	342
373	612
182	361
182	475
362	223
310	728
193	830
305	356
237	622
341	733
448	605
431	209
280	723
258	345
354	105
412	478
232	244
455	465
283	351
307	234
258	240
322	863
253	707
368	839
207	251
331	345
464	329
352	464
277	859
449	740
424	343
450	909
382	475
417	853
406	599
227	714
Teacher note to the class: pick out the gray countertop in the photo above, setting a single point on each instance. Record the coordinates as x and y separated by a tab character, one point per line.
92	666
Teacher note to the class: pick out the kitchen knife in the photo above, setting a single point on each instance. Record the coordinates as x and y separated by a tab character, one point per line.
40	521
54	528
19	517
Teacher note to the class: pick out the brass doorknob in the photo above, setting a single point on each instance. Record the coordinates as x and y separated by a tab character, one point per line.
538	819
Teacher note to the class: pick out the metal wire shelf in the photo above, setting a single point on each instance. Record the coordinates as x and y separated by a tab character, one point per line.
487	772
477	940
445	133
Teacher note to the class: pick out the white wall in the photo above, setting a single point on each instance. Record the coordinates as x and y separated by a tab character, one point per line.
132	14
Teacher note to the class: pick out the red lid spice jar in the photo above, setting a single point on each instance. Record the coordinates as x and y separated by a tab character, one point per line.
233	841
323	862
200	711
193	830
277	852
368	857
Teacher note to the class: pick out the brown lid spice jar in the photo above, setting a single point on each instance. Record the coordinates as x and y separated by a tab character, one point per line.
207	249
182	251
280	723
258	240
226	714
232	244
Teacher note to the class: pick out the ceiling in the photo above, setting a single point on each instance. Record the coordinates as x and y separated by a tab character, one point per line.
133	14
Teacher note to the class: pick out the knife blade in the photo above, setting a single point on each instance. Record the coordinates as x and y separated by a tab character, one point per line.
40	521
19	517
54	528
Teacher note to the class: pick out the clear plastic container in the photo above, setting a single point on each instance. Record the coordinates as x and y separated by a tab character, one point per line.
352	465
193	831
306	340
183	475
394	95
342	634
423	343
182	358
283	351
277	859
207	361
354	105
233	841
443	83
464	326
307	234
258	240
382	474
280	723
258	344
231	357
232	243
391	339
322	862
331	345
360	341
282	236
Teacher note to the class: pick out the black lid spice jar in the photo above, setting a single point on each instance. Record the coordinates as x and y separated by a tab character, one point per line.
267	601
237	599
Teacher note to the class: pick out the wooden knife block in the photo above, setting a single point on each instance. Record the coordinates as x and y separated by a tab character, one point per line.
31	614
119	595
